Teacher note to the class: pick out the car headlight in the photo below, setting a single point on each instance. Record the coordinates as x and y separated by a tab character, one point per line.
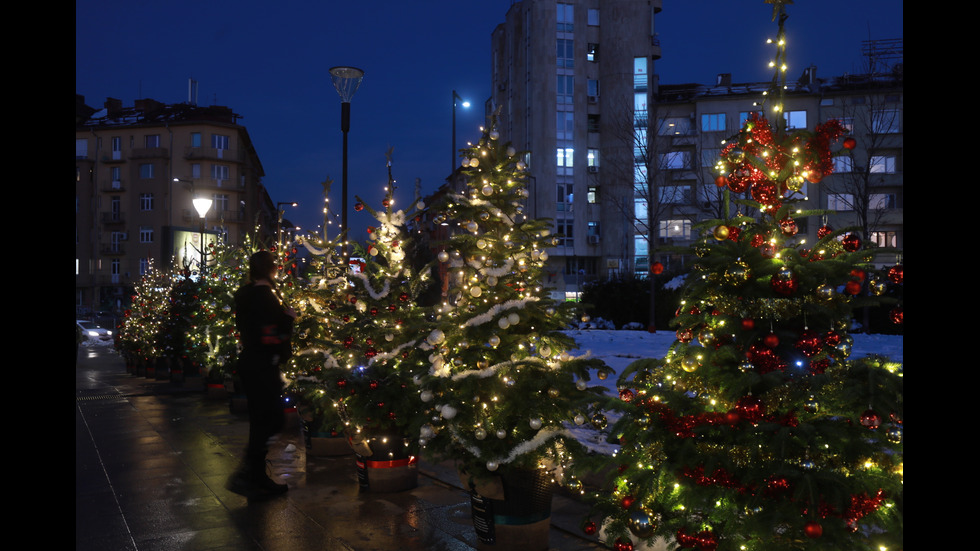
93	333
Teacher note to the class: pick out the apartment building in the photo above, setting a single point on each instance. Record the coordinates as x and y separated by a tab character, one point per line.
623	164
865	191
573	82
137	171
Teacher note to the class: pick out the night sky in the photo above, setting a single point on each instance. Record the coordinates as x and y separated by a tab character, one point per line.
269	62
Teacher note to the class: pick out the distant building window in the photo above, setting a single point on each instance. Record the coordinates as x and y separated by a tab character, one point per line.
566	156
843	163
840	202
144	266
195	139
713	122
675	126
146	235
146	170
593	123
219	142
676	229
593	17
220	202
196	170
153	140
592	54
565	228
592	158
882	164
146	201
885	121
220	172
744	116
676	160
565	89
566	53
593	194
882	201
566	18
884	238
795	119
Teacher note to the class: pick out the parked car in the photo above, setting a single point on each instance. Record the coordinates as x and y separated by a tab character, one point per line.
93	332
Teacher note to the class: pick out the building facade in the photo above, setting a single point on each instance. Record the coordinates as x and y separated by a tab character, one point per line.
572	83
137	171
623	165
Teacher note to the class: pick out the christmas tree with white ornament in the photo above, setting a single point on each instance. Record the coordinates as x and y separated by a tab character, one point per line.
758	431
502	389
358	333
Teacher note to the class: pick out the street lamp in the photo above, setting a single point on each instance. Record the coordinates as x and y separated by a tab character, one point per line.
202	205
346	80
452	165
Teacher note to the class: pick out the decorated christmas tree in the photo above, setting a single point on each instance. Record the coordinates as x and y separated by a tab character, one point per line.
502	387
139	333
360	330
758	430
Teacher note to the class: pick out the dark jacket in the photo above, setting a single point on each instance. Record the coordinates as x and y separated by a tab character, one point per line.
263	326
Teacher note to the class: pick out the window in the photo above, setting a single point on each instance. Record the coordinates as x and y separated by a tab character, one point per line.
592	53
843	163
881	201
840	202
847	123
713	122
146	234
593	88
195	139
146	201
566	18
565	88
882	164
744	116
592	158
566	53
153	140
593	123
144	266
220	172
676	160
677	229
675	126
884	238
115	176
566	156
219	142
592	195
674	195
710	157
115	269
639	73
795	119
566	125
146	170
81	148
885	121
220	203
593	17
565	229
196	170
564	193
593	229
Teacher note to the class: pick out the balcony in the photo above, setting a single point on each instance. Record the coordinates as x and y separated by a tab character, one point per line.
113	249
113	217
212	154
113	186
149	153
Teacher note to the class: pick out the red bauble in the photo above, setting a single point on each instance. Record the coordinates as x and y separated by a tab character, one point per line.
748	324
721	181
589	528
809	343
385	203
656	268
896	274
626	395
784	286
824	231
771	340
621	545
851	242
738	184
813	529
815	176
627	502
870	419
831	338
897	316
788	227
403	297
685	335
358	206
858	274
850	143
374	385
852	287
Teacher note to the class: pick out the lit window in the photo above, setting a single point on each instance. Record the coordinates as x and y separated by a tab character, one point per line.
795	119
713	122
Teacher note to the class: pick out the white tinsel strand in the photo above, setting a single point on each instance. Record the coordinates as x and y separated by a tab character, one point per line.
393	354
376	295
505	269
540	439
493	369
492	314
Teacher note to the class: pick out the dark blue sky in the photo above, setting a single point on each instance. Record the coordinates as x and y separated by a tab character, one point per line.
269	62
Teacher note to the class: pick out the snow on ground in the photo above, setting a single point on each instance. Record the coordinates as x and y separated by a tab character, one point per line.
618	349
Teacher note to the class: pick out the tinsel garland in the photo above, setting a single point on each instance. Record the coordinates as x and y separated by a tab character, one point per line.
492	313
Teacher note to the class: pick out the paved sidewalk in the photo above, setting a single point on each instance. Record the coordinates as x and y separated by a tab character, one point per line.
152	458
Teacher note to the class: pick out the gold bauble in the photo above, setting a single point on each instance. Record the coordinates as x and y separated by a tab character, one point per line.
721	232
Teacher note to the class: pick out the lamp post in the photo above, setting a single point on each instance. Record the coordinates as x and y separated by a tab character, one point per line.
452	165
346	80
202	205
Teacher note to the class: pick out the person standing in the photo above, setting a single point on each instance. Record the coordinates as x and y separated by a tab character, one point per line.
264	327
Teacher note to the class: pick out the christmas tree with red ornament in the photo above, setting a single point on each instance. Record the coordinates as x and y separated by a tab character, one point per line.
758	430
359	329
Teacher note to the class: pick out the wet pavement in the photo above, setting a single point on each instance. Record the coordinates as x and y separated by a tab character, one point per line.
152	458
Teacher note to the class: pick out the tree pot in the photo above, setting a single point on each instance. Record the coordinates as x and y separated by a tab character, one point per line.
386	461
326	444
512	510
